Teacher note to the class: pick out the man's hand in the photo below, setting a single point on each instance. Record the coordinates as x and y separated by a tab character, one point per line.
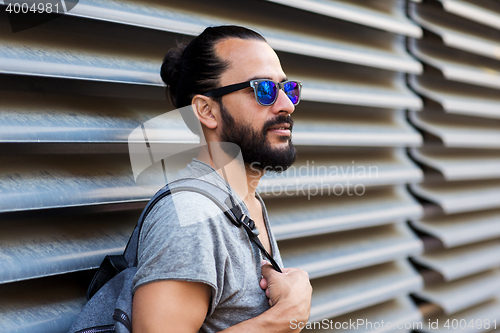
290	290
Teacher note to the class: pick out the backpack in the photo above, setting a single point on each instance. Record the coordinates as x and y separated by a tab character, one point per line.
109	306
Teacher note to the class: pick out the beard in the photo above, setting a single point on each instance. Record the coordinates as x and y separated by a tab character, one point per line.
256	150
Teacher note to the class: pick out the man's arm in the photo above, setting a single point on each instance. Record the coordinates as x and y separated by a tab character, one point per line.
181	306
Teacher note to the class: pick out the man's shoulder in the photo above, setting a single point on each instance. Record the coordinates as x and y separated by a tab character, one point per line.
186	208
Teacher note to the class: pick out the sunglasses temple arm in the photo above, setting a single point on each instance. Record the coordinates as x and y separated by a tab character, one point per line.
227	89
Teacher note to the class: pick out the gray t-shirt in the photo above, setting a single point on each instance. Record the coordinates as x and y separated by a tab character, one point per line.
187	237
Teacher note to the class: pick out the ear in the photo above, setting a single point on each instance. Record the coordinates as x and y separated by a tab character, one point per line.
205	109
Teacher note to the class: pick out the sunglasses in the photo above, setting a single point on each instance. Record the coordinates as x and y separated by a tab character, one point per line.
266	91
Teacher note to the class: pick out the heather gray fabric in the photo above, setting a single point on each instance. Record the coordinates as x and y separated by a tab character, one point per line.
187	237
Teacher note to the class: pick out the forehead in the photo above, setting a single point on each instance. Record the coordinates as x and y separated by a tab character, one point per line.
248	59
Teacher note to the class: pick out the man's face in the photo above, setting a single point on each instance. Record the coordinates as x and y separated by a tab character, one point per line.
263	133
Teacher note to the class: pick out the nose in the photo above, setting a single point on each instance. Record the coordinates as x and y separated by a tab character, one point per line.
283	103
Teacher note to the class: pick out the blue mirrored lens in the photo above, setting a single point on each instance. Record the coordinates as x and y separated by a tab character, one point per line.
292	90
266	92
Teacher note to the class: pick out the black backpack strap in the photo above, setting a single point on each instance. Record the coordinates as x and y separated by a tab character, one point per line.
114	264
220	197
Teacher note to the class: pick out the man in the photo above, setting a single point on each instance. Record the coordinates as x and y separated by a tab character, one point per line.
205	274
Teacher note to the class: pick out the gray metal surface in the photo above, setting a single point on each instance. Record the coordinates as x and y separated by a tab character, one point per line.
461	229
38	247
399	312
334	295
45	182
318	215
42	306
457	65
458	98
479	315
339	252
338	170
460	196
463	261
459	131
334	125
457	32
31	117
184	18
461	294
484	12
387	15
459	164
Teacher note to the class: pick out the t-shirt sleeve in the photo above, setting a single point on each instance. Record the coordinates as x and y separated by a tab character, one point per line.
182	239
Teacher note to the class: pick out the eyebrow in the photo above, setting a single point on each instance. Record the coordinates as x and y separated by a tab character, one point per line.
266	78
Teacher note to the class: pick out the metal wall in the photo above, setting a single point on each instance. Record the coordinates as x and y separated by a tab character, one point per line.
399	100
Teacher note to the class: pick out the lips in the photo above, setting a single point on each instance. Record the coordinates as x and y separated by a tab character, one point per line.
284	126
281	129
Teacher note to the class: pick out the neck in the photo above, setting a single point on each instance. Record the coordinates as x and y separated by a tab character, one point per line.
242	178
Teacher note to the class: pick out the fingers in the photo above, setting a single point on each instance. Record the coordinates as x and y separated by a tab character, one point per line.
263	283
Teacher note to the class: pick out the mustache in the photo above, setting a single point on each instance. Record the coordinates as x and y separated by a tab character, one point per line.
278	120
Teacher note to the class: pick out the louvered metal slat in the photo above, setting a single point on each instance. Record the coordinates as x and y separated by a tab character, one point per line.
457	65
461	229
333	295
367	167
183	17
319	215
334	253
455	31
461	171
388	16
459	98
464	293
399	312
464	260
461	196
478	314
44	306
37	247
44	183
105	181
459	164
459	131
484	12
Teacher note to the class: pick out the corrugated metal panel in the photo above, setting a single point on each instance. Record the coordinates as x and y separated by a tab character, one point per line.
37	247
455	31
343	168
44	306
344	251
323	214
487	312
461	294
484	12
459	131
72	90
333	295
459	157
461	229
398	312
456	97
459	164
464	260
457	65
464	293
460	196
387	15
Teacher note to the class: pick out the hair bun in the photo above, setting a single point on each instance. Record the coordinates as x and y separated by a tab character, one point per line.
171	68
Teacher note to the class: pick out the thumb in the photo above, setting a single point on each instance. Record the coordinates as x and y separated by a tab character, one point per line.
267	270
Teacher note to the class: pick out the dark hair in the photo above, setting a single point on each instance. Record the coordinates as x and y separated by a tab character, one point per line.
195	68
